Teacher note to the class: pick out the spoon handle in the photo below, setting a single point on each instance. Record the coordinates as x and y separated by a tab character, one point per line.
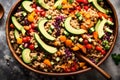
105	74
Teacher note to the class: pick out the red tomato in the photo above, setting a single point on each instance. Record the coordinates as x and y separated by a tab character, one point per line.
89	46
98	48
43	13
86	8
67	70
24	39
103	52
85	41
34	5
31	30
82	1
28	38
111	19
31	47
78	8
11	25
73	69
38	10
33	25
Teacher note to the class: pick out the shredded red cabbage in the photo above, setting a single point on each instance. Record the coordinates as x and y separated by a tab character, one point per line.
68	52
57	22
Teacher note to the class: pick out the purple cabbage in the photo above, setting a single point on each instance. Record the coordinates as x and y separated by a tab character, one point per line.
57	22
68	52
107	36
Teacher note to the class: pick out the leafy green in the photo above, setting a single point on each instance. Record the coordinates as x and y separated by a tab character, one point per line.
116	58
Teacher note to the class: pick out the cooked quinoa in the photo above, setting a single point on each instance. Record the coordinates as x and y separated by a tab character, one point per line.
84	16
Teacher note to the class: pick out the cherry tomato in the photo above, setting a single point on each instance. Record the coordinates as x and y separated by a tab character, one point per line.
67	70
11	25
78	8
24	39
98	48
28	38
86	8
38	10
103	52
31	46
43	13
82	1
111	19
85	41
34	5
73	69
33	25
89	46
31	30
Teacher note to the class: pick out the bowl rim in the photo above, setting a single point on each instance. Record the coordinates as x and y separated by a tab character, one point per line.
58	74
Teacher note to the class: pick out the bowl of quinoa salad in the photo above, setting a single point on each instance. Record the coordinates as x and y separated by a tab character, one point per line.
45	35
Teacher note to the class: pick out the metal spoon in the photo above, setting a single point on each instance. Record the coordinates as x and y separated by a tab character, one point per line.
1	11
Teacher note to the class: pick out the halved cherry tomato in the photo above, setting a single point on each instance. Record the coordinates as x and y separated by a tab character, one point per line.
24	39
78	8
34	5
86	7
67	70
98	48
31	46
28	38
103	52
85	41
43	13
111	19
73	69
11	25
33	25
82	1
89	46
38	10
31	30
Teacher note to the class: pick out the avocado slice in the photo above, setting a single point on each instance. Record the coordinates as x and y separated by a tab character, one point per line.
99	28
16	34
26	56
95	3
18	25
43	4
57	3
100	25
97	25
26	6
42	30
46	47
72	30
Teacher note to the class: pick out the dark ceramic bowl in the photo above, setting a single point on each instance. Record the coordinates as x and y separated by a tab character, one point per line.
13	9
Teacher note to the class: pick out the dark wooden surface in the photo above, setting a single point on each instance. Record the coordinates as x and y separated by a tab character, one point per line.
10	69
